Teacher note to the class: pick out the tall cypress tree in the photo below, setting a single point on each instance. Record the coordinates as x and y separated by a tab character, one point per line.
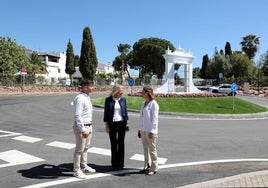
228	49
204	68
70	63
88	58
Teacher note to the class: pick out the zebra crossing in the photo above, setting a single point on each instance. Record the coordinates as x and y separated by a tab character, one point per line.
16	157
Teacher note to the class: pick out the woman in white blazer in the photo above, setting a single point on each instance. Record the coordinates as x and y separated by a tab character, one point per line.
148	130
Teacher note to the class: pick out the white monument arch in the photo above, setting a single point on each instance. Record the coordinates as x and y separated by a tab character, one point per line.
179	56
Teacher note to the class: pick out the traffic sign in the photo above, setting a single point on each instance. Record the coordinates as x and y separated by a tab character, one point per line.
130	81
233	87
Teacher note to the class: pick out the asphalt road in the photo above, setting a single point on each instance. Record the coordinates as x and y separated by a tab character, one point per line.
37	146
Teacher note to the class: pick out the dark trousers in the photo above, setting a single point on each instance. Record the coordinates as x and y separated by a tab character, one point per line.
117	138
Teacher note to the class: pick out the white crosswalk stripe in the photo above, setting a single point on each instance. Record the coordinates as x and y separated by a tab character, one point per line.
139	157
100	151
27	139
63	145
8	133
15	157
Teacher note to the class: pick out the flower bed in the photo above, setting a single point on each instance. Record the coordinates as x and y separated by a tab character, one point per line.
46	89
201	94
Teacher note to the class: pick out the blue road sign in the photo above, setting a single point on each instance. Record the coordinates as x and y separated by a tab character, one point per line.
130	81
233	87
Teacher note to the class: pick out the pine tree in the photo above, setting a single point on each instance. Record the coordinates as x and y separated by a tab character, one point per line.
88	58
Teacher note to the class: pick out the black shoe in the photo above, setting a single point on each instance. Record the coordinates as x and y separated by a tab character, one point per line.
114	167
117	168
145	170
150	173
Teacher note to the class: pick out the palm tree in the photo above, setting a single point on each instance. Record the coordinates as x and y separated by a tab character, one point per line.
250	45
37	65
123	49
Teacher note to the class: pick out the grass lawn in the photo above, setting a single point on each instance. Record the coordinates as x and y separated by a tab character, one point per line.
197	105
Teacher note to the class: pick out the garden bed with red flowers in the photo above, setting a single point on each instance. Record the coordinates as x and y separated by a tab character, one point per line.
200	94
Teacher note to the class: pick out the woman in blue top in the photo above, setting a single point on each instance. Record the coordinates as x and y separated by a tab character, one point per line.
116	125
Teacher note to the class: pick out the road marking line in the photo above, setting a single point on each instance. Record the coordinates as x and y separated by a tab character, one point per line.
213	162
214	117
100	175
8	133
73	179
14	157
200	117
27	139
100	151
139	157
63	145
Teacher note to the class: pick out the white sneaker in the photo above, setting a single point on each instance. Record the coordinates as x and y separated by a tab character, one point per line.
80	174
88	169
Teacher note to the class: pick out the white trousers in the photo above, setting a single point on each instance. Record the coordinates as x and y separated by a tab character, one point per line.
150	152
81	148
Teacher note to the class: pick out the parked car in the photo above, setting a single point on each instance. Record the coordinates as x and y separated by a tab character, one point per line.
223	88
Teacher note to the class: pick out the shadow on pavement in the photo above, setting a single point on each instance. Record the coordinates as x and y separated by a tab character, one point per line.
48	171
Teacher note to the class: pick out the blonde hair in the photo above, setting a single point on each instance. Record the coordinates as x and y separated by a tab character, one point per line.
150	92
116	89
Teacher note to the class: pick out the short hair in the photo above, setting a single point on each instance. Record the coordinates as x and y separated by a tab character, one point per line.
86	82
150	92
115	89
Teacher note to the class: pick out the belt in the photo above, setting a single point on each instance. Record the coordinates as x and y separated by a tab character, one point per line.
88	125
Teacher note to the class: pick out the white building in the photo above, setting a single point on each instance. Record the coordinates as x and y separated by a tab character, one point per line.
102	68
55	66
56	62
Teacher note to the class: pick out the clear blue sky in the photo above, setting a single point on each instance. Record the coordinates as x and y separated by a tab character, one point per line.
198	26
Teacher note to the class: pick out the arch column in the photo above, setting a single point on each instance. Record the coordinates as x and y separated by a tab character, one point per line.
179	56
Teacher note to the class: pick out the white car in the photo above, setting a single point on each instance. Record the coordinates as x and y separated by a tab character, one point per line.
223	88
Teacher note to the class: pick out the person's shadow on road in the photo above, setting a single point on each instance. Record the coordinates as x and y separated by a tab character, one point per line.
48	171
